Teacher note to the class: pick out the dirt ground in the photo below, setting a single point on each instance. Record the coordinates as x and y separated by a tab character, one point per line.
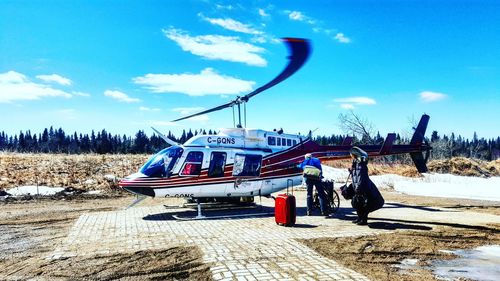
32	229
375	256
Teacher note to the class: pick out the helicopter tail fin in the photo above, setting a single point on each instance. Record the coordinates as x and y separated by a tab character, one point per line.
418	139
418	136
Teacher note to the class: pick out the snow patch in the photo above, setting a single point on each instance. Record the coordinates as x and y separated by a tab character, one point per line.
335	174
451	186
437	185
92	192
90	182
34	190
111	178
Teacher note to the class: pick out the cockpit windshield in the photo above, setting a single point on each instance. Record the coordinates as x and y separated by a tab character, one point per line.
161	164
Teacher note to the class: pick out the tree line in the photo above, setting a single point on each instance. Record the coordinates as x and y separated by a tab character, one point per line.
443	146
57	141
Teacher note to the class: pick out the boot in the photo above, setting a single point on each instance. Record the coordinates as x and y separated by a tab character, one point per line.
356	221
362	222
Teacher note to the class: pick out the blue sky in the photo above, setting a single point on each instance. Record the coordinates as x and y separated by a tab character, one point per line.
129	65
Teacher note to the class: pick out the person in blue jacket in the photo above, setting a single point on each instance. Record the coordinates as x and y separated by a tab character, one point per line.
312	173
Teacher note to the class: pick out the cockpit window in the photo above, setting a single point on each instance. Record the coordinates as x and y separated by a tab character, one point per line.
217	163
192	166
161	164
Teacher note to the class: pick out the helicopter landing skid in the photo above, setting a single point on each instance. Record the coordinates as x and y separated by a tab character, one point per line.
200	216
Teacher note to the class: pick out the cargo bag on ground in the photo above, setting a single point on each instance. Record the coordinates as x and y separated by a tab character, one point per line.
285	210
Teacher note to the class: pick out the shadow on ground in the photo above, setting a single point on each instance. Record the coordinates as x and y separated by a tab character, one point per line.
221	212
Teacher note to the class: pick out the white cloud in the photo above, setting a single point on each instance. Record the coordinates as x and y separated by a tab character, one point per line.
232	25
428	96
217	47
296	15
192	110
208	82
342	38
347	106
144	108
317	26
300	16
54	78
263	13
224	7
16	86
119	96
187	110
352	102
81	94
357	100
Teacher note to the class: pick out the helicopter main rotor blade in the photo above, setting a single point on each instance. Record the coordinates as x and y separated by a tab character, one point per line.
229	104
299	53
299	50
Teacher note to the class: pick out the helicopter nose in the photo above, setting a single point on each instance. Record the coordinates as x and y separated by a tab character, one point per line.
134	184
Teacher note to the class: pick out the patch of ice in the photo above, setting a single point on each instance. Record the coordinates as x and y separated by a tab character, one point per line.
34	190
407	265
94	192
90	181
112	178
482	263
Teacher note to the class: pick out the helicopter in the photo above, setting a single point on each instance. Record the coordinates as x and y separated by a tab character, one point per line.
243	163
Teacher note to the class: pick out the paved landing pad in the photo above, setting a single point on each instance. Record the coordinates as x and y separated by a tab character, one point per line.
241	248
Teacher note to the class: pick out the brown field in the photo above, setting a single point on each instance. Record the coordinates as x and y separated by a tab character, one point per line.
86	171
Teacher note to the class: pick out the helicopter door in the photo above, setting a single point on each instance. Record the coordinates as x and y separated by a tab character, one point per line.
216	174
246	170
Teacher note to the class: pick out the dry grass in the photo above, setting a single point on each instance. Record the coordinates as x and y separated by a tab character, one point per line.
87	171
466	167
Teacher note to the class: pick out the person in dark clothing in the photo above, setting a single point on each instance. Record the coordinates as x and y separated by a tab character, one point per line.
367	198
312	173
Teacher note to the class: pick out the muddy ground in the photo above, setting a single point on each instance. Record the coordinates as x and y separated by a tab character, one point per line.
31	230
377	256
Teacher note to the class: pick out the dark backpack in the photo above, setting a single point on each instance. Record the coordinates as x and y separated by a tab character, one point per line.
347	191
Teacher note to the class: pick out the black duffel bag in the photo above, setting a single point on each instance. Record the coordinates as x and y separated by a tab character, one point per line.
347	191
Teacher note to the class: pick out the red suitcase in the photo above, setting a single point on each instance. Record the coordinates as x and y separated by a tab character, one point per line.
284	209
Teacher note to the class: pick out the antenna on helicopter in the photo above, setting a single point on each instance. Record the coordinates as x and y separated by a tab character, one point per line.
165	138
299	53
